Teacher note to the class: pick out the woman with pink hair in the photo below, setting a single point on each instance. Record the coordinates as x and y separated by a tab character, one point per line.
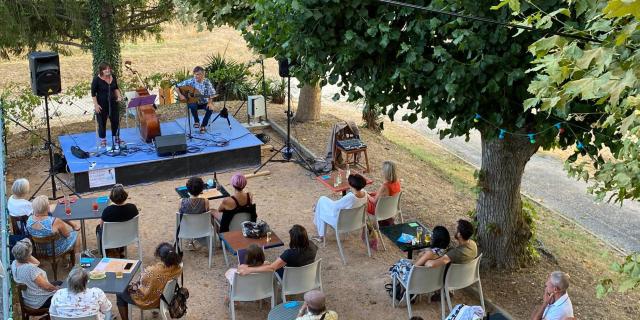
239	202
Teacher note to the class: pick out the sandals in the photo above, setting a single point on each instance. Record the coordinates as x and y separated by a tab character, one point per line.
196	125
203	129
103	143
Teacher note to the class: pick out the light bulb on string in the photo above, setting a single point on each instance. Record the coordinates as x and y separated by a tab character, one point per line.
476	119
559	127
532	138
501	134
579	146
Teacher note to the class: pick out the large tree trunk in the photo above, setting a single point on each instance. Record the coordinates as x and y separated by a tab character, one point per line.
503	231
309	103
105	46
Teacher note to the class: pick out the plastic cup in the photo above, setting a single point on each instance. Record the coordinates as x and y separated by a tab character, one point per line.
268	236
419	234
67	210
119	274
94	206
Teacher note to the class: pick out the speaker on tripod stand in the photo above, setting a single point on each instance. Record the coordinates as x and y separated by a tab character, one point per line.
45	81
287	150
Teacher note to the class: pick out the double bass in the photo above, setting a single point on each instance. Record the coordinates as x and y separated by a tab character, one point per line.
148	121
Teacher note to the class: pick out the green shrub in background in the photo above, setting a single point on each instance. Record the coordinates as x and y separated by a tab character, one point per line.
276	90
230	78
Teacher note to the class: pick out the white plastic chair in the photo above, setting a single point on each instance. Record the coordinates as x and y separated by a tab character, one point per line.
350	220
169	287
400	209
297	280
421	280
168	292
386	208
251	287
94	317
461	276
120	234
234	225
194	226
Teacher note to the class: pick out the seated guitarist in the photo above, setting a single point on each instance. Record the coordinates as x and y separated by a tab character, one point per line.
205	101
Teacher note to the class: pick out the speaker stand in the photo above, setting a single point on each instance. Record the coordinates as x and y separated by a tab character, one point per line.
52	174
287	150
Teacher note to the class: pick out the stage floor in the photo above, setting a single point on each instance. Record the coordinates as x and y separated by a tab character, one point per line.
221	148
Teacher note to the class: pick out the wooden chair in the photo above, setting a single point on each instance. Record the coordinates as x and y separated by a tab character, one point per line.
26	311
16	222
40	252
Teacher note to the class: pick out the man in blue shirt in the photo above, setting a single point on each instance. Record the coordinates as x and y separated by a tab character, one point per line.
205	99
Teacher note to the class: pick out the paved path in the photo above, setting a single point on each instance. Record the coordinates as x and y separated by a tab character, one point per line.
545	181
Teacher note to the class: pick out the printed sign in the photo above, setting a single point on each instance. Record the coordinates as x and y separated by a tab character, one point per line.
102	177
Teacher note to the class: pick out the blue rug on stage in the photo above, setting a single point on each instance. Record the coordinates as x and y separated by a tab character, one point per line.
219	137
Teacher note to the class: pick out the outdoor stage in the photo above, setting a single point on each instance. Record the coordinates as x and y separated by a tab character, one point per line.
221	148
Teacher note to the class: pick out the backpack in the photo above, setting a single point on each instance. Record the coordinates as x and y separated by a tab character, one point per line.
399	292
177	305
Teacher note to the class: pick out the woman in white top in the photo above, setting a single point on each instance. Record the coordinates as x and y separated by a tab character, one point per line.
327	210
18	204
25	270
79	301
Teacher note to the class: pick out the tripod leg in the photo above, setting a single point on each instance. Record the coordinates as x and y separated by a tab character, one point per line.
309	166
269	160
40	187
64	183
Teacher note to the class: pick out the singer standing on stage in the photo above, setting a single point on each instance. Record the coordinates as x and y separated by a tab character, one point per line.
205	101
106	94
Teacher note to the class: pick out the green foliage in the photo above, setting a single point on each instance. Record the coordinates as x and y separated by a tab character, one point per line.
230	78
220	12
599	80
276	90
629	270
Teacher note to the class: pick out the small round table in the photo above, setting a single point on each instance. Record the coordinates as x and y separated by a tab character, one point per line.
285	311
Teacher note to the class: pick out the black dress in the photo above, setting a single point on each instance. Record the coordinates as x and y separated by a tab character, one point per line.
107	99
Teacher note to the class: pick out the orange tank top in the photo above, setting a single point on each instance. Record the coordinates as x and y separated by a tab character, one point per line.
393	187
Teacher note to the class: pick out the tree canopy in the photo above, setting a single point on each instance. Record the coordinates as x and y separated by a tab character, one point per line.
97	25
602	73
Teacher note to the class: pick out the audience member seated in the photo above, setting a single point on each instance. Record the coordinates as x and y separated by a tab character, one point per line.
18	204
464	252
254	257
556	304
77	300
327	210
119	211
194	204
315	308
301	252
25	270
232	205
41	224
146	292
439	243
390	187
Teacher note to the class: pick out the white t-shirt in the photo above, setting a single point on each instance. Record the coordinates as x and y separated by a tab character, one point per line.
19	207
559	310
91	302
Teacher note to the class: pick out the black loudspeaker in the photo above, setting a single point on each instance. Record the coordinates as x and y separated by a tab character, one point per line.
283	68
45	73
171	145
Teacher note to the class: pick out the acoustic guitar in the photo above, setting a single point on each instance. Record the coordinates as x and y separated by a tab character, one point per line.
192	95
148	121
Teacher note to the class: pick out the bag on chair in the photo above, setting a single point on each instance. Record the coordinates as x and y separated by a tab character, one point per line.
177	305
255	230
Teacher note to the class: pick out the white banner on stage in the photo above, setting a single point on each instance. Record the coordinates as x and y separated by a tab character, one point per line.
102	177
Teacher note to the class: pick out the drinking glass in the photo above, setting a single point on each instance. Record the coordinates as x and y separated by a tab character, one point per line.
268	236
94	206
67	210
419	234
